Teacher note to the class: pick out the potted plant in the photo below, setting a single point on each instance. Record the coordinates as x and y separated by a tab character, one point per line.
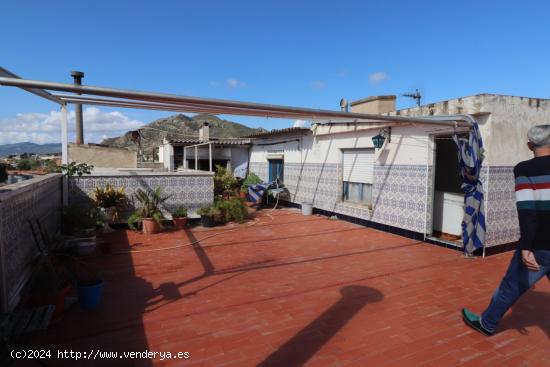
224	182
50	282
180	217
49	286
208	215
148	215
232	209
243	192
110	201
89	287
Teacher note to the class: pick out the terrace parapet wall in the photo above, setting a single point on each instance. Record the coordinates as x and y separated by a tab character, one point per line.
23	203
192	189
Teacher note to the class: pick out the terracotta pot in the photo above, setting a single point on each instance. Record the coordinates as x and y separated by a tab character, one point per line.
150	226
179	222
207	221
242	194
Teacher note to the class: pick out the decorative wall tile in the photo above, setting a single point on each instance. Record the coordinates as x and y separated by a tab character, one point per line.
501	212
37	200
401	195
192	192
399	192
260	169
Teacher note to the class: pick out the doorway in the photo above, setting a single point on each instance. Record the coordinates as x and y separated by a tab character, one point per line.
448	197
276	170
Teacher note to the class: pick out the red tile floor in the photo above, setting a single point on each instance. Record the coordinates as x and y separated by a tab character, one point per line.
289	290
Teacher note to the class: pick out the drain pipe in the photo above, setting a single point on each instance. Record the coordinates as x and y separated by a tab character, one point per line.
77	78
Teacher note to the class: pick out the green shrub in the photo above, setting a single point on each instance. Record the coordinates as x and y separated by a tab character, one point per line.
224	181
232	209
209	211
251	179
150	202
180	212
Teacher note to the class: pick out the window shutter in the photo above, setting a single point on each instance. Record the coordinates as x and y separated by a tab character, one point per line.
359	165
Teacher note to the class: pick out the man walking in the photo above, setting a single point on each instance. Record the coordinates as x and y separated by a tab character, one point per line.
531	261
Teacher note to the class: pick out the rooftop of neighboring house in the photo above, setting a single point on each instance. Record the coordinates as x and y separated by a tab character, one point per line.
279	132
215	141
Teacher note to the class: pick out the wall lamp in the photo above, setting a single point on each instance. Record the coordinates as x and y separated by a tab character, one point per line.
383	134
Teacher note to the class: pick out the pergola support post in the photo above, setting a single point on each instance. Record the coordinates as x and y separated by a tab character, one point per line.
184	157
210	155
65	151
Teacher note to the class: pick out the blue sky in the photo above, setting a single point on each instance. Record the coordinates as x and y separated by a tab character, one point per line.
302	53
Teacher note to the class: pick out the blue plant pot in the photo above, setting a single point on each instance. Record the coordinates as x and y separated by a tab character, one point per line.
89	294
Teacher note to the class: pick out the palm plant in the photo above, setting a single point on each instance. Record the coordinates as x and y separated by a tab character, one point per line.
150	202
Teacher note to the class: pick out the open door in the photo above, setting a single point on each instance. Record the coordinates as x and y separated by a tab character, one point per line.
448	199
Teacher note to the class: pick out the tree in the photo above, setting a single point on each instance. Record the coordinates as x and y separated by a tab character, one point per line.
24	165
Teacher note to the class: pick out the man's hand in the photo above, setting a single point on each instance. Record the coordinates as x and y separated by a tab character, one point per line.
529	260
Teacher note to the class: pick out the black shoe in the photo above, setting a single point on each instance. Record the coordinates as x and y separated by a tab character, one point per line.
472	320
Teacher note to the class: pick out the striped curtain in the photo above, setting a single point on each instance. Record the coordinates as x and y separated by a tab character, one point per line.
470	157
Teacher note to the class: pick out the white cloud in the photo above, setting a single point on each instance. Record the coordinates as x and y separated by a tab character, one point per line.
318	85
378	77
235	83
301	123
44	128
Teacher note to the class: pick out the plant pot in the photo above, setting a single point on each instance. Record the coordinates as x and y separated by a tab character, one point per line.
179	222
207	221
150	226
243	194
89	293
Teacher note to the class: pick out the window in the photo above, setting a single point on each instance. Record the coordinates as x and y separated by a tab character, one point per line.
276	170
358	166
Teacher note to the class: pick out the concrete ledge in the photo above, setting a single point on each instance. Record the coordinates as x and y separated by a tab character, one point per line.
8	191
147	172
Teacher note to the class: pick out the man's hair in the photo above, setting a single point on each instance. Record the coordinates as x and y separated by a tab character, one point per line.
539	135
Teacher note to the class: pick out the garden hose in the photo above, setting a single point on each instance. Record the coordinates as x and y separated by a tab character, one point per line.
256	221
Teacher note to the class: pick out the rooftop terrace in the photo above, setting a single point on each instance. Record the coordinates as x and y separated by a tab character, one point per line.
288	290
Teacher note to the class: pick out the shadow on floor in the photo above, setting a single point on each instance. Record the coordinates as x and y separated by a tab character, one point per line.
304	345
530	310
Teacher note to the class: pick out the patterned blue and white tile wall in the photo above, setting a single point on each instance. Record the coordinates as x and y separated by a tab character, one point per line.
36	199
190	191
402	196
502	219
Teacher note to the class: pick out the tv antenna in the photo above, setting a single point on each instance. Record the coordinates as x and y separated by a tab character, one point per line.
416	96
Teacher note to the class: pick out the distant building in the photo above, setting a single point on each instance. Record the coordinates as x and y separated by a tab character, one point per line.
228	153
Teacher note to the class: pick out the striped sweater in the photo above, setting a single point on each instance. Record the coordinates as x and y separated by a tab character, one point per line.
533	202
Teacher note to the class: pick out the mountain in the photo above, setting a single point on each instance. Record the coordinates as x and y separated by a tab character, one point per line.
28	147
181	126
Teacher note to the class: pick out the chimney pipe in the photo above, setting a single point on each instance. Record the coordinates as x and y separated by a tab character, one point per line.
77	77
204	132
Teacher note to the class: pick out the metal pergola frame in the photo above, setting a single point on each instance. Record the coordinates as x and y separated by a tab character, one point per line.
123	98
83	94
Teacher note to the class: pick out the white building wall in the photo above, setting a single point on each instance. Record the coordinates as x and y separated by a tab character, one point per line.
313	173
403	171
